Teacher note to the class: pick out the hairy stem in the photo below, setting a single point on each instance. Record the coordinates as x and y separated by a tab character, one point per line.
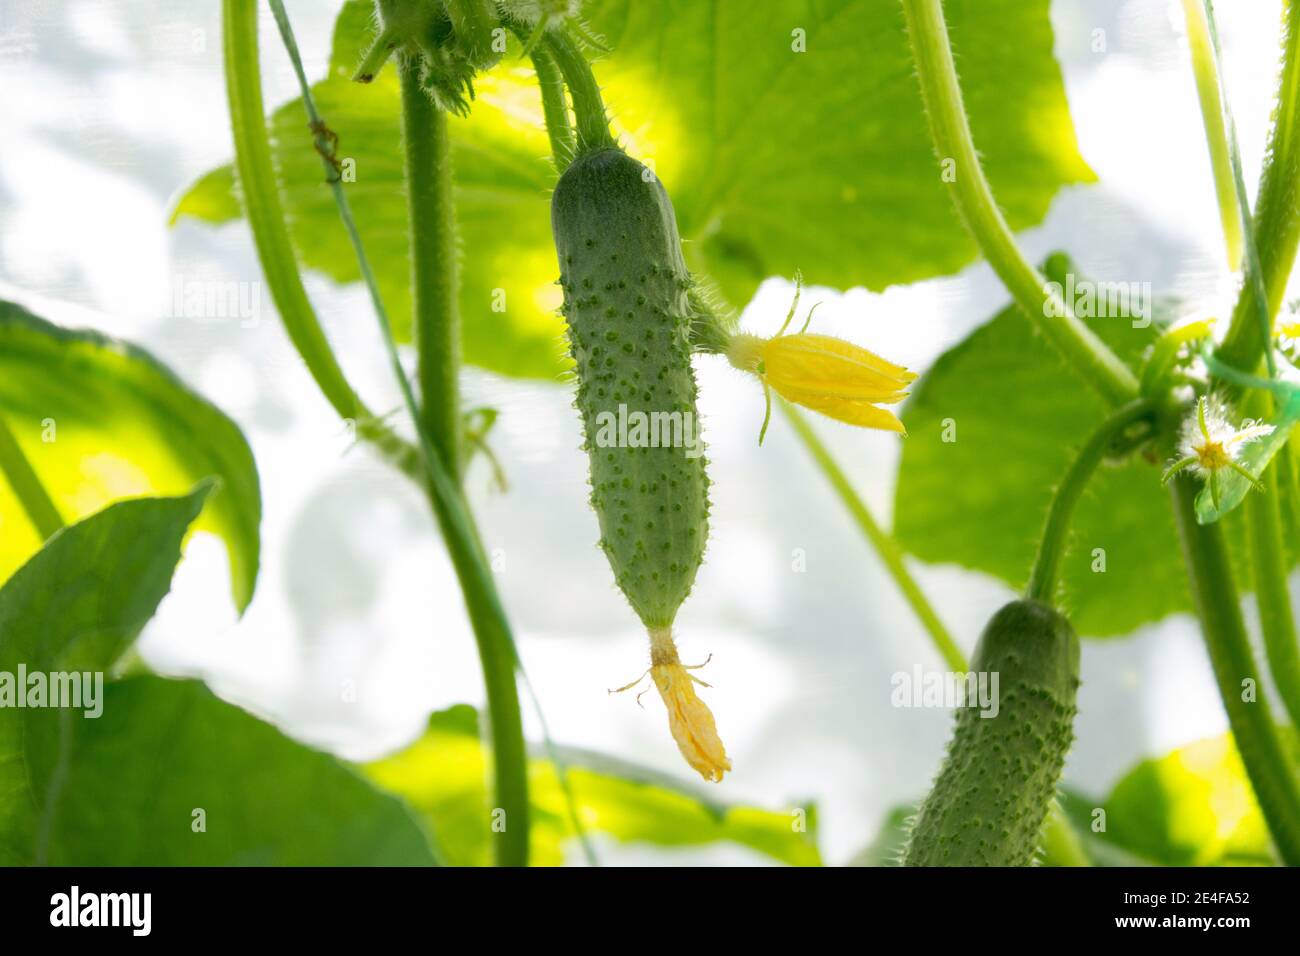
1042	302
261	199
883	543
1269	563
492	631
588	105
433	262
1277	210
1267	762
26	485
1052	544
554	108
1205	69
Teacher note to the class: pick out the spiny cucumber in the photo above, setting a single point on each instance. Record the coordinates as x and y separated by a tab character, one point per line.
626	303
998	780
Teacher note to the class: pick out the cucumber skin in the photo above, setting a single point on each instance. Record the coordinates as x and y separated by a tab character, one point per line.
998	780
626	291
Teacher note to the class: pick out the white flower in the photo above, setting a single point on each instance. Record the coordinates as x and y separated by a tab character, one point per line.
1209	444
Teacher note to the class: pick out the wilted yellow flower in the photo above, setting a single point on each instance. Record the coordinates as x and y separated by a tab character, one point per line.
828	375
689	718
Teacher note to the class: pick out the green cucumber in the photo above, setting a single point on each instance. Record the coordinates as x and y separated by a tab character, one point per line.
998	780
626	302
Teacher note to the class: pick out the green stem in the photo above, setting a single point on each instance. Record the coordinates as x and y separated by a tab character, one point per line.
1288	490
1042	302
261	198
890	553
1277	211
1052	545
380	50
26	484
433	262
1209	90
1269	563
492	632
1275	613
554	108
1267	762
588	105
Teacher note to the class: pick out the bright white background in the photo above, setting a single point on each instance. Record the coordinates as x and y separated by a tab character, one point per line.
108	109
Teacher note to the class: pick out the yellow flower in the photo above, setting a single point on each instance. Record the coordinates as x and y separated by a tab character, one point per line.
689	718
828	375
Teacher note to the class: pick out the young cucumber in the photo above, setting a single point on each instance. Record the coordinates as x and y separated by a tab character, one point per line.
626	291
998	780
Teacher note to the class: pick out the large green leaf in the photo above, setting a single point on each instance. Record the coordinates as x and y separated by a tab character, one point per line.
75	606
101	420
151	771
1191	807
1018	414
173	776
776	159
442	775
822	160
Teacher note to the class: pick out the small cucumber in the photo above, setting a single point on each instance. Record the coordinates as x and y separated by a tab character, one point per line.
998	780
626	301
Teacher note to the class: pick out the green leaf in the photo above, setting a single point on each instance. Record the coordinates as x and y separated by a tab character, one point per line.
100	420
75	606
133	783
822	160
442	775
1191	807
509	298
1018	414
777	160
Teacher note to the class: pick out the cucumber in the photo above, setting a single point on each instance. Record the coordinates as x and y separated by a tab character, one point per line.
626	303
998	780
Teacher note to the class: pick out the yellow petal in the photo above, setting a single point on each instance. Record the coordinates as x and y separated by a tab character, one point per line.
689	718
822	363
851	411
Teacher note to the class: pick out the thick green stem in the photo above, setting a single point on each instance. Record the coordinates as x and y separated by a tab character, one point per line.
1263	752
1042	302
1277	210
492	631
885	545
1208	89
1052	545
261	198
26	485
588	105
1270	566
559	128
434	263
1275	614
